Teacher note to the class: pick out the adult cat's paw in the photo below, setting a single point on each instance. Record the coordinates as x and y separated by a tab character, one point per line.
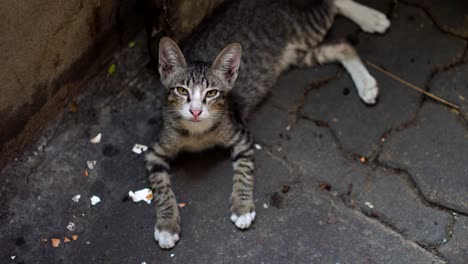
166	239
243	221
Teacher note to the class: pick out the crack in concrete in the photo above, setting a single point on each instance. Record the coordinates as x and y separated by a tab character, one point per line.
440	26
345	198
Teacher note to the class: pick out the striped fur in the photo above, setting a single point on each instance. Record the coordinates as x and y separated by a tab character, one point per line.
203	106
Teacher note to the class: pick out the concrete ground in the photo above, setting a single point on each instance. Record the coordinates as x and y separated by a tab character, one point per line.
337	181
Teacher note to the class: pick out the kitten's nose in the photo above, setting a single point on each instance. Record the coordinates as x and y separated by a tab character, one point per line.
195	113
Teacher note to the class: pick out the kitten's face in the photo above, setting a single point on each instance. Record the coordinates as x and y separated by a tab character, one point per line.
197	96
197	93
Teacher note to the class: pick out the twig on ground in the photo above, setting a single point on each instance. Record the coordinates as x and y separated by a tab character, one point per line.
412	86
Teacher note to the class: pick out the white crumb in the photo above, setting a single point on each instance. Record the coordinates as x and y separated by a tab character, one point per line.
141	195
96	139
95	200
13	257
138	149
288	128
91	164
71	226
368	204
265	205
76	198
172	255
257	146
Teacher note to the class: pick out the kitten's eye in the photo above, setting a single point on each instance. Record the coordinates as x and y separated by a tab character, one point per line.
182	90
211	93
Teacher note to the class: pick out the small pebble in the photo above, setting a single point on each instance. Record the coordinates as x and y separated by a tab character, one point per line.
368	204
76	198
265	205
96	139
257	146
172	255
95	200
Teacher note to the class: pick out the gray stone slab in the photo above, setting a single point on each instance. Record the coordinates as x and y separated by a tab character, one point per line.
359	127
451	17
452	85
391	196
456	249
434	151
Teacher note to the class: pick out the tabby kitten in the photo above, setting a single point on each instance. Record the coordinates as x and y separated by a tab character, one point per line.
203	106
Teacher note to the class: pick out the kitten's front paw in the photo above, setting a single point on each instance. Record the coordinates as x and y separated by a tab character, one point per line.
165	238
243	221
369	90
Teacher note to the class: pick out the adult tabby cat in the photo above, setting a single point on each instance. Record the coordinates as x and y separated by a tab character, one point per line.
206	106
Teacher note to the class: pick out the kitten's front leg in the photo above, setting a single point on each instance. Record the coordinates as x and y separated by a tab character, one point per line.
167	227
242	204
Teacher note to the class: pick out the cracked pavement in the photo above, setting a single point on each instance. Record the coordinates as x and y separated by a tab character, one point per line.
336	181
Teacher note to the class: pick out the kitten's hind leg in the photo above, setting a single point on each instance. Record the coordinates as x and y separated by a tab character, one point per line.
370	20
347	56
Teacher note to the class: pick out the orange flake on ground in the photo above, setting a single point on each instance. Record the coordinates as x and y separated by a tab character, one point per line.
55	242
149	196
85	173
66	240
181	205
75	237
362	159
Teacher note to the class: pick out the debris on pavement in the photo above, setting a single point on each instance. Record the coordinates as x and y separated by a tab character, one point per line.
75	237
332	220
96	139
265	205
76	198
13	257
141	195
324	186
55	242
71	226
138	149
181	205
257	146
73	107
285	189
95	200
172	255
131	44
111	69
368	204
86	173
362	159
66	240
91	164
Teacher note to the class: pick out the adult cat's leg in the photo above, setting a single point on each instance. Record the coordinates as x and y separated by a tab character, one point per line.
370	20
167	227
242	204
347	56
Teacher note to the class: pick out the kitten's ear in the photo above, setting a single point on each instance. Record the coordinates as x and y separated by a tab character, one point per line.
226	65
171	59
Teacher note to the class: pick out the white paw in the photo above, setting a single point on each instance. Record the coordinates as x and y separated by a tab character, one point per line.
372	21
368	90
244	221
165	239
